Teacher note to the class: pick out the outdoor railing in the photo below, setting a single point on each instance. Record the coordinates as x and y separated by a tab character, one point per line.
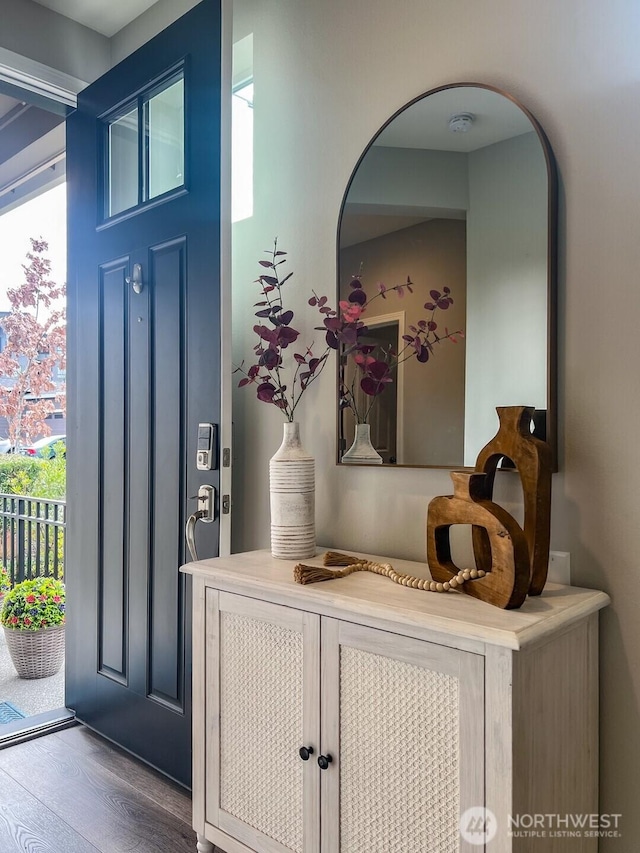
32	537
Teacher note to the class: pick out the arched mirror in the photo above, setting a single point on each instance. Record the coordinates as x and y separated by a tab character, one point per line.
446	269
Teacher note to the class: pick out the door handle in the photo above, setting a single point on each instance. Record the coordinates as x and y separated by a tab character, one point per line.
206	512
206	504
136	279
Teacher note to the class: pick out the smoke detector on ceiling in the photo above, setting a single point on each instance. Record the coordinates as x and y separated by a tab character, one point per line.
461	122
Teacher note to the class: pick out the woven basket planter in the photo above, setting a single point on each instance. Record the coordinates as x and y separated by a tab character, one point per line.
36	654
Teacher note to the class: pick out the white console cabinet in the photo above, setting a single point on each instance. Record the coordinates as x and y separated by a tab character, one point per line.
356	715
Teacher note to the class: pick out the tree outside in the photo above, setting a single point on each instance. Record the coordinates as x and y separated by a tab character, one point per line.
35	350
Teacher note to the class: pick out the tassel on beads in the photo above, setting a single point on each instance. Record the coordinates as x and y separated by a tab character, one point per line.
335	558
313	574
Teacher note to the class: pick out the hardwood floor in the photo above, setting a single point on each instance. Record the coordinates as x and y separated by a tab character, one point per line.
73	792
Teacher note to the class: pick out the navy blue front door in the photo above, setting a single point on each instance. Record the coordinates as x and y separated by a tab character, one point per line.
143	167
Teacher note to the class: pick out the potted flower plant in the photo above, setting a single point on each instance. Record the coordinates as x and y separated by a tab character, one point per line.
33	618
281	371
376	366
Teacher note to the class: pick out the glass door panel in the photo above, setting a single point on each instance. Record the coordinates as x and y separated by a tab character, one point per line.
145	148
123	169
165	131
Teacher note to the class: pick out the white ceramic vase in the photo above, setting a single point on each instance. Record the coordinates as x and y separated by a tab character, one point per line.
292	482
362	450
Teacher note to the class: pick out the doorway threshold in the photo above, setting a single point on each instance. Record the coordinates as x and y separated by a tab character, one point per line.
36	726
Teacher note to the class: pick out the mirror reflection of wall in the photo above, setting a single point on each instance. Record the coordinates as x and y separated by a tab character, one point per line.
467	209
429	421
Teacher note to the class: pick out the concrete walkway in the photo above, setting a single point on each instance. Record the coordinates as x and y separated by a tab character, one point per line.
29	695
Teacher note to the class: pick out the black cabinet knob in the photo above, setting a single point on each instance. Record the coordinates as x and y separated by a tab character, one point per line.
324	761
304	752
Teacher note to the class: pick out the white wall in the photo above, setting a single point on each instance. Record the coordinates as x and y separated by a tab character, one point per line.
507	236
410	178
146	26
327	75
38	33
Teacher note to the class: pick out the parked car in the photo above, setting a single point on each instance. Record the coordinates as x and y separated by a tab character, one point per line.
46	448
5	446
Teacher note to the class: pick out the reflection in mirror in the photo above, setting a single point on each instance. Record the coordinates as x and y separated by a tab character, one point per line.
457	191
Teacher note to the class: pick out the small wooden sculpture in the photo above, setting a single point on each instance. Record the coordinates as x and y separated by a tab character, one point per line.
508	579
532	458
506	554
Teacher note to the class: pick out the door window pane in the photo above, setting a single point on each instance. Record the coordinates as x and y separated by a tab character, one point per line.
146	147
123	163
165	116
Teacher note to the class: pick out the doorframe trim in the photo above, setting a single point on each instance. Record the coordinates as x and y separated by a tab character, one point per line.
226	384
386	320
38	78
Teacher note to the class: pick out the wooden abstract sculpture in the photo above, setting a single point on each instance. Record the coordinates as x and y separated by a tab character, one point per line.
506	581
532	458
514	560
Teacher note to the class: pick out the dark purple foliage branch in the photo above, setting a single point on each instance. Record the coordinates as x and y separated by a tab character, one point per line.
275	336
377	365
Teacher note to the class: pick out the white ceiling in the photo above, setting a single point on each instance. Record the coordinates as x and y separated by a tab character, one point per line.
104	16
425	124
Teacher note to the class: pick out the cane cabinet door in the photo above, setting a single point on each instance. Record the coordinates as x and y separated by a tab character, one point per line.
262	713
403	725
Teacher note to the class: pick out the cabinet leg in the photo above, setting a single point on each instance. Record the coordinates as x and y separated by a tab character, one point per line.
203	845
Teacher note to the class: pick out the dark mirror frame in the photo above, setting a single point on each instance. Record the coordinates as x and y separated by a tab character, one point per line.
548	428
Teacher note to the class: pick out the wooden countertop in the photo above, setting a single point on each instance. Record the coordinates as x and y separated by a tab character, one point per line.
451	615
